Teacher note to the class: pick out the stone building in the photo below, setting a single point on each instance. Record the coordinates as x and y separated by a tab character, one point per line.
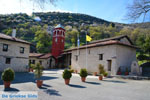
112	53
14	53
46	60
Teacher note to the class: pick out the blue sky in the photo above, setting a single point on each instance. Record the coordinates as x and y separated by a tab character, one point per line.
111	10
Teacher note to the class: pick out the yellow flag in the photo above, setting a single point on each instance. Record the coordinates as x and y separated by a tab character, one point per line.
88	38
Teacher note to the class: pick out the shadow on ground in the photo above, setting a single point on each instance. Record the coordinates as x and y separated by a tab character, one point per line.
93	83
11	90
52	92
114	81
76	86
27	77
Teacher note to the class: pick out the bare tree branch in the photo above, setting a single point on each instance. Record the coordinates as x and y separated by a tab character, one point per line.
41	3
138	8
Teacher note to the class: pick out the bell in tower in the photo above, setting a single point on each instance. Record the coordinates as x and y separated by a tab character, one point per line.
58	40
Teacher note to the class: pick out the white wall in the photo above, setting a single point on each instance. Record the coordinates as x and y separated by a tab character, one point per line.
125	56
118	54
109	52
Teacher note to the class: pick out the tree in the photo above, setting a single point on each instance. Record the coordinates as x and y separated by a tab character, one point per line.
43	41
139	8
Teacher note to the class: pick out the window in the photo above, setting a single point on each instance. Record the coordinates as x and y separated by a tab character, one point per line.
100	56
5	47
8	60
40	62
30	62
55	39
21	49
33	61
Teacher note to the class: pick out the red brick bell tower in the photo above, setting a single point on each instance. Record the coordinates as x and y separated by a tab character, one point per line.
58	40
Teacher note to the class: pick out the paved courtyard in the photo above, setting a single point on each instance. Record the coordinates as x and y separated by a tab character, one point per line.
93	89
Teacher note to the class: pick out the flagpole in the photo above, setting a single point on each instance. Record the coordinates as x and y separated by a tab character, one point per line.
86	51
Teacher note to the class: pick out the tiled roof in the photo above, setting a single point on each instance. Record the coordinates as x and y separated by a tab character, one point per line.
45	56
40	56
97	44
35	54
7	37
112	38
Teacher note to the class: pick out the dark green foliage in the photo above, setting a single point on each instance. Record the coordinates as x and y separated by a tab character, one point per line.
66	74
38	70
8	75
142	57
83	72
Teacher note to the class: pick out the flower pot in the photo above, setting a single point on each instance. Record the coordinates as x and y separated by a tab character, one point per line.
30	69
67	81
83	79
105	75
100	77
119	73
39	83
7	84
126	73
95	73
76	71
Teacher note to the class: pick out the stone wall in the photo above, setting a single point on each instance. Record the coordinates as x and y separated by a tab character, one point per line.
19	61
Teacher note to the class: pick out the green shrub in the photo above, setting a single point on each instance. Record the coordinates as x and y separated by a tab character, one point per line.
71	70
83	73
8	75
101	69
66	74
69	66
32	66
105	74
38	70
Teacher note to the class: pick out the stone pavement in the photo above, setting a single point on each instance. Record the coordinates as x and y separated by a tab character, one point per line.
93	89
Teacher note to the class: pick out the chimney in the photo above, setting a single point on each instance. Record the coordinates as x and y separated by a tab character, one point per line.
14	32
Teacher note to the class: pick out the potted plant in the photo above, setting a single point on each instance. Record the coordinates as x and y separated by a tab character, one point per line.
7	76
127	71
76	71
38	73
100	77
66	75
83	74
31	67
105	74
119	71
95	73
101	71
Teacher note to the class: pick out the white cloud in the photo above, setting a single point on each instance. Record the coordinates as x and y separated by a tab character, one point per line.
14	6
